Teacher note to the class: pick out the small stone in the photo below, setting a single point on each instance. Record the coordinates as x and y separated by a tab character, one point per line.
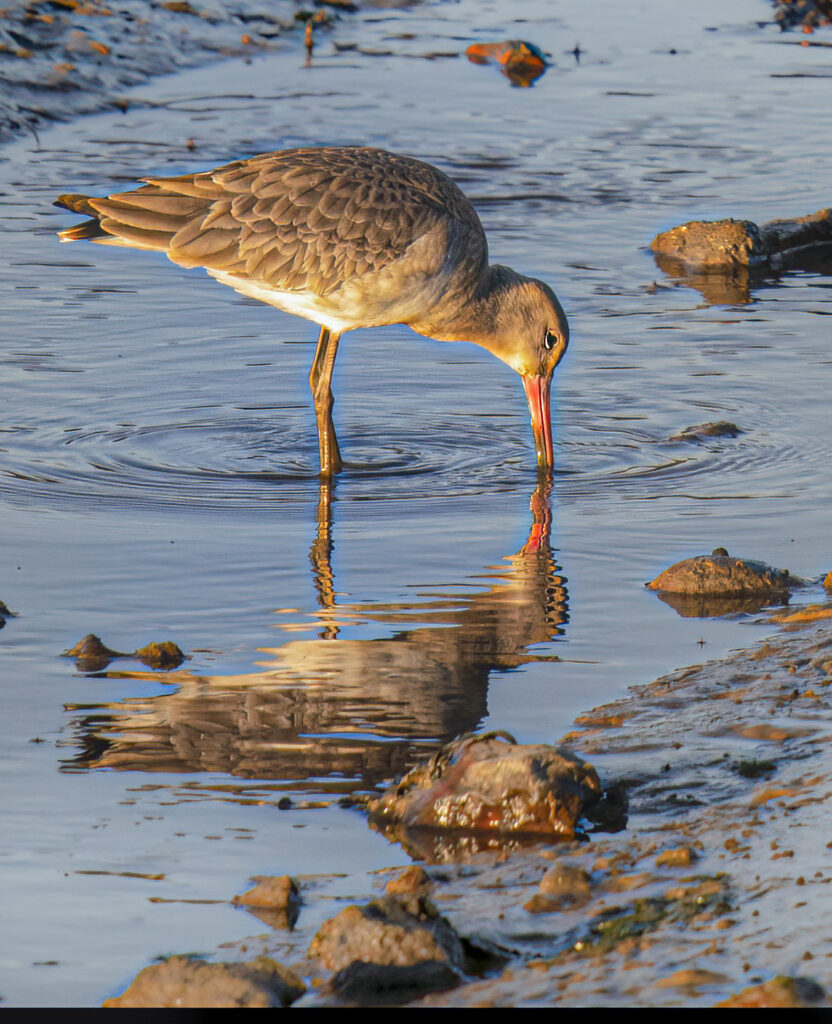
279	896
91	654
681	857
185	983
412	880
160	655
385	931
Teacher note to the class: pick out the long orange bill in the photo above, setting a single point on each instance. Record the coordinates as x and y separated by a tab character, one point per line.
537	394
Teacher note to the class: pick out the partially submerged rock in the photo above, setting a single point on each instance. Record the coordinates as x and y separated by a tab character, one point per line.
718	583
275	900
160	655
718	428
727	243
387	931
183	982
92	655
492	784
521	62
782	992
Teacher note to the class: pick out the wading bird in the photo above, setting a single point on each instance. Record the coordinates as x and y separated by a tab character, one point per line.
346	237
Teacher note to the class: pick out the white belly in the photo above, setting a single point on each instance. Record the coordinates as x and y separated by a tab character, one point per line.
305	304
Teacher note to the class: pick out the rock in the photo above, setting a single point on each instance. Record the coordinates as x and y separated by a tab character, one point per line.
160	655
274	900
370	984
387	931
692	978
681	857
91	654
808	13
718	584
721	428
413	880
563	886
828	581
728	243
183	982
483	783
521	62
781	992
720	574
712	243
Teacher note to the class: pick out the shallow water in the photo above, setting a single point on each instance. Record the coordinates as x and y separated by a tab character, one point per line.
157	458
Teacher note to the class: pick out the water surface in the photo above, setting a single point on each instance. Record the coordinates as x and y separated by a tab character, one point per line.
158	456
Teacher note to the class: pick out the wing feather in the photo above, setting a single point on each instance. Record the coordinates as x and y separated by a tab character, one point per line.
304	219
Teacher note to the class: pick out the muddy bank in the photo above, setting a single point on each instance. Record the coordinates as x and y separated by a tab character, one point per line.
63	58
713	892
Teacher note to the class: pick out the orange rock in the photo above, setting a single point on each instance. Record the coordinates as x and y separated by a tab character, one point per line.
522	62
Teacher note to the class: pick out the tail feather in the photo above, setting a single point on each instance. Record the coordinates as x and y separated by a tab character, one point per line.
146	219
75	202
88	229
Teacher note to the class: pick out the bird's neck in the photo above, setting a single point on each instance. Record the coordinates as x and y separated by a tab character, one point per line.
471	314
479	315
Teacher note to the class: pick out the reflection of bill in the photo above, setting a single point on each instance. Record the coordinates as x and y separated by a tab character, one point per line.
360	709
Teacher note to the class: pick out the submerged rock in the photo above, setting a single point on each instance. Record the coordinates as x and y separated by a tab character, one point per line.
183	982
491	784
387	931
719	428
728	243
274	900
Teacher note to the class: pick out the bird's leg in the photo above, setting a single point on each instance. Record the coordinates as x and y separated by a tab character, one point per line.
320	379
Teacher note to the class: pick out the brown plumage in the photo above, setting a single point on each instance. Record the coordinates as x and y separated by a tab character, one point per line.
348	237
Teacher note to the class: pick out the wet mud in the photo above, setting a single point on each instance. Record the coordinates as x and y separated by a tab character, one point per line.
63	58
698	901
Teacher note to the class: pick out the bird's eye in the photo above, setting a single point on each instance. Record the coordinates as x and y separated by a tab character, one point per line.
550	339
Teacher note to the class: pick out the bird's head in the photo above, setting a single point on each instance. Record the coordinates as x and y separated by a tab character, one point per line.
529	331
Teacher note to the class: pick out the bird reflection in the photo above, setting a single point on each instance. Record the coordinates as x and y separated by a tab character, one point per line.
335	713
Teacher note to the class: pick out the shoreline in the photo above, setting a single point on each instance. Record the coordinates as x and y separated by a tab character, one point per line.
707	892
